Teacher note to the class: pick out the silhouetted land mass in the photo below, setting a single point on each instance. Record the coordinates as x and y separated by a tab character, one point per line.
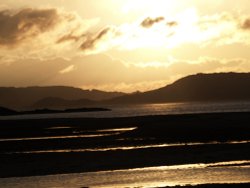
199	87
6	111
9	112
25	98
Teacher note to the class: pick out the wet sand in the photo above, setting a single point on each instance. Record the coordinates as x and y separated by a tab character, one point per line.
20	157
243	185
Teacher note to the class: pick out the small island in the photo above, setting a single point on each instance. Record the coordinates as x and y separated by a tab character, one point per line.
9	112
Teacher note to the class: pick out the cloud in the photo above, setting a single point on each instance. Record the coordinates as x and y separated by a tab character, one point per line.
185	28
69	37
68	69
172	24
105	39
25	24
246	24
91	42
50	33
41	33
149	22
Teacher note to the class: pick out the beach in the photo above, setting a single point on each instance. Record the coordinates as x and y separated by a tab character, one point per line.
246	185
41	147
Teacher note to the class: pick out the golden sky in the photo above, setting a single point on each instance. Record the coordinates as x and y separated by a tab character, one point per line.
122	45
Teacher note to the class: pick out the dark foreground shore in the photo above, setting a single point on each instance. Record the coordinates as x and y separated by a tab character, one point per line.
57	146
240	185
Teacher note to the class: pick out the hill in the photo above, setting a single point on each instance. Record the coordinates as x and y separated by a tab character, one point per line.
193	88
199	87
7	112
25	98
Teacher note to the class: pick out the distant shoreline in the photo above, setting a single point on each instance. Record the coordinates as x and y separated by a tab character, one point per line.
9	112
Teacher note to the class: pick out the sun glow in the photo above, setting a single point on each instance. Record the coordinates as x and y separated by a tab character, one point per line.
150	7
167	32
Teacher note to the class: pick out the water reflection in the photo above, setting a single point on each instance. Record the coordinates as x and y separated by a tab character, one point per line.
148	109
59	127
58	137
128	147
117	129
87	134
240	163
192	174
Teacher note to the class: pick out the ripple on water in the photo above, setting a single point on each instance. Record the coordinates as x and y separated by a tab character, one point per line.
192	174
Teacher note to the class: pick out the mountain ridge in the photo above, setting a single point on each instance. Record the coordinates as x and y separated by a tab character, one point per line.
24	98
199	87
193	88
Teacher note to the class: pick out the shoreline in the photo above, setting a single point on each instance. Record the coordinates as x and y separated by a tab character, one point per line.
5	112
234	185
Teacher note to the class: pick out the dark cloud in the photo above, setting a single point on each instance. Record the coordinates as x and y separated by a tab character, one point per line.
69	37
246	24
25	24
149	22
172	24
91	42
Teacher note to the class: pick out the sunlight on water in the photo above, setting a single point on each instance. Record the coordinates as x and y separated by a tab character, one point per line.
148	109
130	147
118	129
58	137
188	166
105	132
142	177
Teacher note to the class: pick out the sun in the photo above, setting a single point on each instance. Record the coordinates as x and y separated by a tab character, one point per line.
150	7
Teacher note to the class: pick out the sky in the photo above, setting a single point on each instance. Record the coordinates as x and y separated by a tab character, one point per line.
120	45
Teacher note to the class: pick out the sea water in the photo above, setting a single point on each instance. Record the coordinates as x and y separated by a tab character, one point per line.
148	176
191	174
148	109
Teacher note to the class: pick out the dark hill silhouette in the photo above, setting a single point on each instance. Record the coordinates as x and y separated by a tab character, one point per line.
199	87
6	111
22	98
